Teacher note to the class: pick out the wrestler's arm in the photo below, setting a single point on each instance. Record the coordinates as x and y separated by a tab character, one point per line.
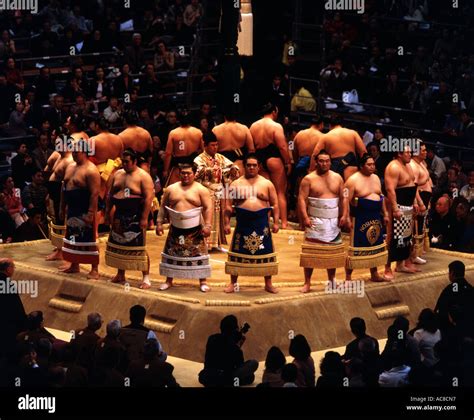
108	201
348	193
273	198
359	145
341	200
303	195
149	193
93	182
168	154
391	177
320	145
280	141
249	141
208	207
67	176
162	211
294	149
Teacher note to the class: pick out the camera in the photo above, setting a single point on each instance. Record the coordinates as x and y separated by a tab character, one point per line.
245	329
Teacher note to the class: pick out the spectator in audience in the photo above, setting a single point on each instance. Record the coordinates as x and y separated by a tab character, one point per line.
7	45
355	372
459	295
78	74
274	363
301	351
427	334
358	328
7	226
163	59
12	197
113	113
334	79
99	89
112	38
436	165
45	86
123	84
289	373
42	152
224	363
466	131
193	13
105	373
397	374
398	338
23	167
47	42
14	76
135	54
71	90
12	313
84	341
151	371
35	331
134	335
149	83
369	355
112	340
34	194
442	224
32	229
182	34
174	10
56	115
17	126
77	20
332	371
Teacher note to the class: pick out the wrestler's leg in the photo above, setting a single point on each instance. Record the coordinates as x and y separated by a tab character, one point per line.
168	284
388	273
308	272
279	180
350	170
231	287
349	274
146	284
374	275
119	277
56	255
203	287
332	276
94	273
72	268
269	286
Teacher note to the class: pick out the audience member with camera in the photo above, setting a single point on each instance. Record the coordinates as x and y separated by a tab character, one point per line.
224	363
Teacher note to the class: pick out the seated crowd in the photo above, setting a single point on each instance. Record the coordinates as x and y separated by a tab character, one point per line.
437	351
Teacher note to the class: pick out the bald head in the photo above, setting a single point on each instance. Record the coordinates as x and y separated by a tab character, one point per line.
7	266
442	206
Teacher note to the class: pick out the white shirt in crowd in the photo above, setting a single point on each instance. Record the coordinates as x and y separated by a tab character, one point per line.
426	343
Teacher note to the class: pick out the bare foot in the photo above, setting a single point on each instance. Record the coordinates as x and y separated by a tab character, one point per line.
165	286
229	288
284	226
376	278
56	255
405	269
271	289
306	288
118	279
93	275
388	275
203	287
145	286
70	269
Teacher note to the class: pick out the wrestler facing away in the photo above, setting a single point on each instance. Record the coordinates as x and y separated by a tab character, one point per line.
320	183
424	183
258	193
305	142
137	138
83	174
271	149
341	143
185	195
399	174
232	138
132	182
59	160
184	144
363	184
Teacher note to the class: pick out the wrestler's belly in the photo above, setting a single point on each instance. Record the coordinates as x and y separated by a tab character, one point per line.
184	206
253	205
372	196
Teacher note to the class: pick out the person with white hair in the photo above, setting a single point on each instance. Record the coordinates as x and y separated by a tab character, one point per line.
85	340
